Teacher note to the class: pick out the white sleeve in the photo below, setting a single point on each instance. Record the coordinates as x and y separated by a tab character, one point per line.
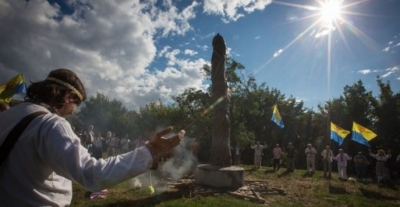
373	155
335	157
59	147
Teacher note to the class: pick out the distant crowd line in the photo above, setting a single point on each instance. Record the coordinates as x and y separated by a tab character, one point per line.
111	144
383	170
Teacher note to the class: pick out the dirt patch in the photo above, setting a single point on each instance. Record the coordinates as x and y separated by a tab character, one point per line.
252	190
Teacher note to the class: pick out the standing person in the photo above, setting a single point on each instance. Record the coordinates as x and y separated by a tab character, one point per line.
257	154
98	146
111	143
290	155
84	139
4	106
40	168
140	141
117	144
342	159
106	142
327	156
90	138
361	164
382	172
310	152
238	153
277	153
125	143
194	149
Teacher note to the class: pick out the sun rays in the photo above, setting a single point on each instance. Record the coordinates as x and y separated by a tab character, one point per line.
330	11
326	17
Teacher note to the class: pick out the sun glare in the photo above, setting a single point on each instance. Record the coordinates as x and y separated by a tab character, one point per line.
330	11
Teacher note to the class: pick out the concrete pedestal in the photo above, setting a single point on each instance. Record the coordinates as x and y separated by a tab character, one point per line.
219	177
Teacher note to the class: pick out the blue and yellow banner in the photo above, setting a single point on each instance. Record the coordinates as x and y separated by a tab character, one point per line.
338	134
276	117
362	135
11	87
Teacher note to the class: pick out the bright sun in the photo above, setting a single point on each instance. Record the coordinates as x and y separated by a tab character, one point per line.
330	11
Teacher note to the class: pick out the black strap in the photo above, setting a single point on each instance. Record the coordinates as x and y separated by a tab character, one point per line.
15	133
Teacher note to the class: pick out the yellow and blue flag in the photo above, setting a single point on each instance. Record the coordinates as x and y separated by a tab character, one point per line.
276	117
338	134
11	87
362	135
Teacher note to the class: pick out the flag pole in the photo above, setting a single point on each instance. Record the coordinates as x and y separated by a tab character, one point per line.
330	147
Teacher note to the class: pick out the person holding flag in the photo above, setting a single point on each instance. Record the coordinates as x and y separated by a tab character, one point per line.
11	87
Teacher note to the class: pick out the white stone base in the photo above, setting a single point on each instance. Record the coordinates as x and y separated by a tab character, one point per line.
219	177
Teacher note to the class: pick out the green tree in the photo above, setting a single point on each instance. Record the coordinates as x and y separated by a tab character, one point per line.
388	116
104	114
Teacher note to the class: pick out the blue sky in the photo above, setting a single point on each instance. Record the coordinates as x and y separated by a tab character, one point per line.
142	51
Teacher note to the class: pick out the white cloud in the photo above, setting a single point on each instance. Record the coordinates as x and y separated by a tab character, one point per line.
365	71
392	45
386	72
277	53
386	49
190	52
325	31
163	51
203	47
229	9
108	44
390	71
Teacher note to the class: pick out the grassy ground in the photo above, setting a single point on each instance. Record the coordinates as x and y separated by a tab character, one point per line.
302	190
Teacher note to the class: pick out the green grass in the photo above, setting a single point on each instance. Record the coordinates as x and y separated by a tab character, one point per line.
302	190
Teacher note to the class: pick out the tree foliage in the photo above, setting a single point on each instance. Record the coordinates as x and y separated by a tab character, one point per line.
250	112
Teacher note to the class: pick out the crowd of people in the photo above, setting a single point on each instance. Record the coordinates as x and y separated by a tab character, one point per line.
361	162
110	145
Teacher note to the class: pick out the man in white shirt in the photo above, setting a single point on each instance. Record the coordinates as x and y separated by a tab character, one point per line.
257	154
125	143
48	156
310	153
341	159
277	152
98	146
90	138
327	156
